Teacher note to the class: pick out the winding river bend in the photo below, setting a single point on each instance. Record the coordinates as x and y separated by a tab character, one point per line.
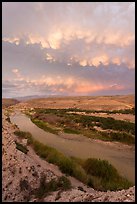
123	159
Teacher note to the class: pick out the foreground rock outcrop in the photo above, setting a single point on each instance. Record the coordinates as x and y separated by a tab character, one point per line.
21	174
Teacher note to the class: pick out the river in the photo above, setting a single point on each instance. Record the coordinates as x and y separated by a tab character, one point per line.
123	159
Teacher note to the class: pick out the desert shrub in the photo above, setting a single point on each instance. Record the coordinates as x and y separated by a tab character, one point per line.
100	168
71	131
66	165
124	111
54	156
111	123
103	176
80	173
25	135
123	137
78	160
118	136
24	185
62	183
41	190
118	183
22	134
105	123
90	182
40	149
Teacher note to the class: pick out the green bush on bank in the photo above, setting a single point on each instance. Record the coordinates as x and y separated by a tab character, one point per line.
118	136
107	174
100	168
71	131
106	123
44	126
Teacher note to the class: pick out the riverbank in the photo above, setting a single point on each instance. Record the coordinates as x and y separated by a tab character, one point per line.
71	145
17	165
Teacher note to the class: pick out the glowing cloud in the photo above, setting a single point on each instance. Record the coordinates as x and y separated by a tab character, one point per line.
94	32
68	48
15	71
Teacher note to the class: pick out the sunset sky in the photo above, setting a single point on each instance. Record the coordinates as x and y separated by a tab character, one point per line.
68	48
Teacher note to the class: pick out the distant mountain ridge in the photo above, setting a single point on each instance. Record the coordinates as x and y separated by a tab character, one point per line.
24	98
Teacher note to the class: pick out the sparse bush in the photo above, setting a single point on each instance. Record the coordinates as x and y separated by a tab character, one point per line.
71	131
80	173
25	135
118	136
62	183
104	176
110	123
66	165
90	182
24	185
100	168
41	190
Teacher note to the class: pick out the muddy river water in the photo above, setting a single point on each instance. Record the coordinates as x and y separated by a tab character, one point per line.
123	159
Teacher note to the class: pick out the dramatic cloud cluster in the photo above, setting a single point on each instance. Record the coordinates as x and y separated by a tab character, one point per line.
87	33
69	85
71	47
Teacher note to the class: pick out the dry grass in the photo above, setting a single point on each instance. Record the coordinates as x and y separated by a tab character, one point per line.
85	102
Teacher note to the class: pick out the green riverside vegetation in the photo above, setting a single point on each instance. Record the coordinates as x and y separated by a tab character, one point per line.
122	111
62	120
44	126
71	131
95	173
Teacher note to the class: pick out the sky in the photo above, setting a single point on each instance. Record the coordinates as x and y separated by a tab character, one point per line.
68	48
